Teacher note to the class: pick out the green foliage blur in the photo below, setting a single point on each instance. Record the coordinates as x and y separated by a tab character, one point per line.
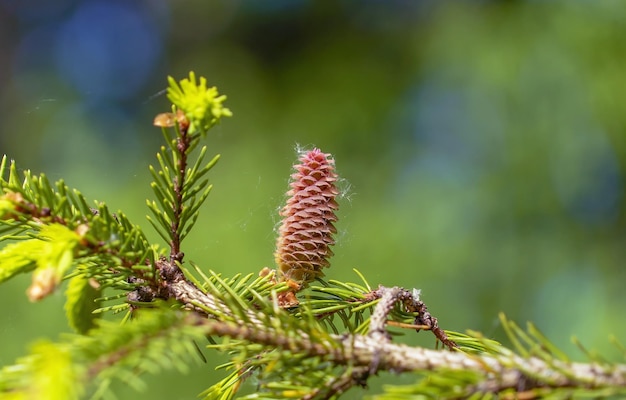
482	147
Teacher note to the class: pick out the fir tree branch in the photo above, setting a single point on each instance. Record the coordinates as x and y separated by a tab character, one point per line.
280	325
495	373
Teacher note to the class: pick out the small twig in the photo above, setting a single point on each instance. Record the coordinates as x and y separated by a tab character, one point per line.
24	207
183	143
175	285
412	303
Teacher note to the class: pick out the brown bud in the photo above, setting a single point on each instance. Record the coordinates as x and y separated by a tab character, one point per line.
167	120
10	204
44	283
305	235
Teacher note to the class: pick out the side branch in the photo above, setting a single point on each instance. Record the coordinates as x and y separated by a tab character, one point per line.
375	352
498	372
412	303
174	285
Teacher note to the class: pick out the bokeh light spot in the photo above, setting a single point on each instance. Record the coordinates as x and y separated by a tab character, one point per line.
107	49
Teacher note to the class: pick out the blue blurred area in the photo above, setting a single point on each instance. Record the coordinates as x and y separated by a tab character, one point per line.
107	40
79	74
483	144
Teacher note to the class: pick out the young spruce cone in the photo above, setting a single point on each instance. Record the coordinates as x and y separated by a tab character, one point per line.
305	235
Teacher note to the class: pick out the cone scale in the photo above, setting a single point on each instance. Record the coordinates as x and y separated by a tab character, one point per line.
306	232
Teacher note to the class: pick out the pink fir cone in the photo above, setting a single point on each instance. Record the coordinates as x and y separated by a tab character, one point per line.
306	232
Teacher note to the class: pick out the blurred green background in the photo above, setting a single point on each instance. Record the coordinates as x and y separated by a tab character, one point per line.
482	145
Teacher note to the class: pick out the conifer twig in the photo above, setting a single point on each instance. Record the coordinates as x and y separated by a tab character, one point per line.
54	233
183	144
175	285
412	303
498	372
